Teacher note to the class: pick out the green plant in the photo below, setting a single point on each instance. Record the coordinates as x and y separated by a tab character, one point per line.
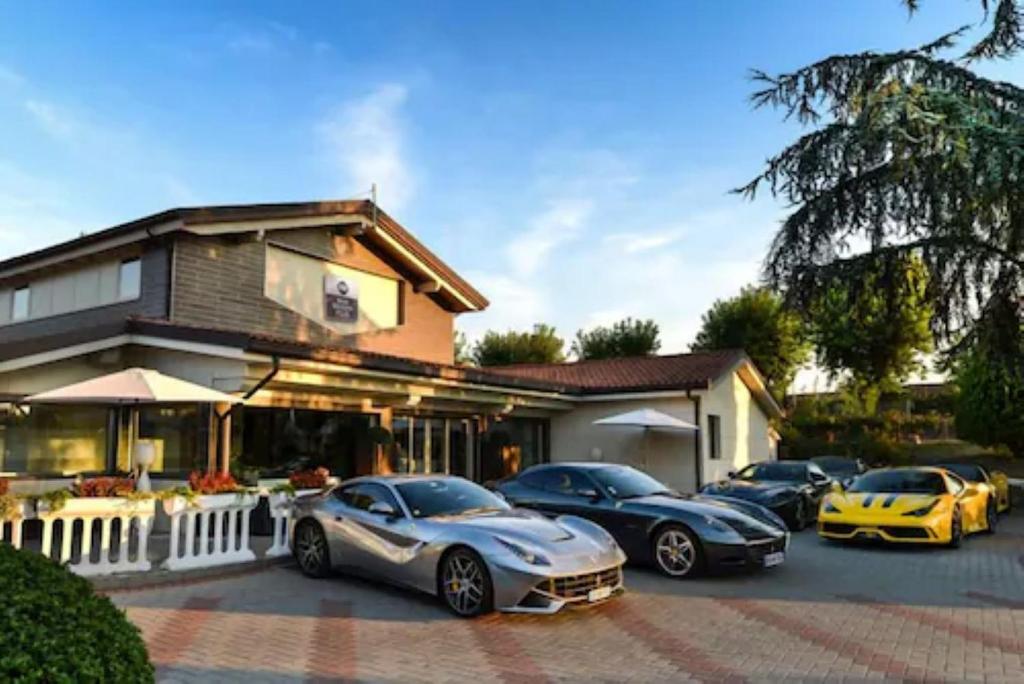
55	499
10	507
53	628
283	488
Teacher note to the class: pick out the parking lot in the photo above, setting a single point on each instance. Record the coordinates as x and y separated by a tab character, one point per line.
831	612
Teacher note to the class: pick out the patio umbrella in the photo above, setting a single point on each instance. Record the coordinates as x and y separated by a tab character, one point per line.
647	419
134	387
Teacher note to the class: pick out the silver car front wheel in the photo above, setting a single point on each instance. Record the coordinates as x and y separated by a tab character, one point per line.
465	584
311	550
676	553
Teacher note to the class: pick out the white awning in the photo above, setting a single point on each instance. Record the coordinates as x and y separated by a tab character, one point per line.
134	386
647	418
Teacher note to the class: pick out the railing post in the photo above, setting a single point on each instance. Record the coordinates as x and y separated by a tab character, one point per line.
212	549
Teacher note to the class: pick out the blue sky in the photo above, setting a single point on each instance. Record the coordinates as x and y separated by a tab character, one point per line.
572	160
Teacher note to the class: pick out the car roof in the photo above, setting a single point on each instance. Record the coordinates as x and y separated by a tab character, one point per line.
583	465
400	478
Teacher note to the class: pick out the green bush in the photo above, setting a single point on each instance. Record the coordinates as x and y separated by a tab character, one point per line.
54	628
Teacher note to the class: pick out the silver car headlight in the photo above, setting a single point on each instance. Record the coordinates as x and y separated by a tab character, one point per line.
523	554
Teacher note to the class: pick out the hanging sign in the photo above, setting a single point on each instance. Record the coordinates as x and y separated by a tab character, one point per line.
341	299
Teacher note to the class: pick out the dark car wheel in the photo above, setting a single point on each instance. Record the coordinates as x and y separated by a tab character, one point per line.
676	552
311	550
465	584
991	516
957	529
799	521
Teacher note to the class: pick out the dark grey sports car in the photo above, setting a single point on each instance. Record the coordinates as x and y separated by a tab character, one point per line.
679	534
790	489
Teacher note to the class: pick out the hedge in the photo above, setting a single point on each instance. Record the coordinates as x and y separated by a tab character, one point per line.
54	628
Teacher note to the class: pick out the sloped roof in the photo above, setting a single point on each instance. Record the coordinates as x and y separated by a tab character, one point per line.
635	374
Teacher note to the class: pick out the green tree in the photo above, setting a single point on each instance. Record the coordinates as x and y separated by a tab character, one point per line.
757	322
462	352
625	338
540	345
910	154
875	331
989	374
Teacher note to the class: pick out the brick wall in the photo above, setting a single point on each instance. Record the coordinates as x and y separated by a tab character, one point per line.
219	283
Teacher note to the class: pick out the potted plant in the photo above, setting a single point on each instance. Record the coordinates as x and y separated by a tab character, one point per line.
208	491
100	497
13	508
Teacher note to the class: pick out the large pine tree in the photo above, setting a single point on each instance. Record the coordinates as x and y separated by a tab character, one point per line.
909	154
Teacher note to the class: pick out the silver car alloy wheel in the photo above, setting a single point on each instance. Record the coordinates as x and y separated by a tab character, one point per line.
311	548
463	584
675	551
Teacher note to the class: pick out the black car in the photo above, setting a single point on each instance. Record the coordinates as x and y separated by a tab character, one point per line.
679	534
790	489
840	468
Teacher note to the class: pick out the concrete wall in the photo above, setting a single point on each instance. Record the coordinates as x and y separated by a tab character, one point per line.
668	456
744	428
219	282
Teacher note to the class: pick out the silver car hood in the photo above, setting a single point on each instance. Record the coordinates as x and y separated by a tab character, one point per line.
531	529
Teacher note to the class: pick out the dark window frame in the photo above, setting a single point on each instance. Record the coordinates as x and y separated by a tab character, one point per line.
714	437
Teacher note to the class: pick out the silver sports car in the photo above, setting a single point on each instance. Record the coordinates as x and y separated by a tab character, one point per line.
449	537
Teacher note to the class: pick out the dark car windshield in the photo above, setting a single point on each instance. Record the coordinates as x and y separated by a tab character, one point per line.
967	471
427	498
776	472
837	465
899	482
623	482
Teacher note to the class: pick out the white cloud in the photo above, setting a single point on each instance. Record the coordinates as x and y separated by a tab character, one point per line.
10	77
560	223
366	141
55	122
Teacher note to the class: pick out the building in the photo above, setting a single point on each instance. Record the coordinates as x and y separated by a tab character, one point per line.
337	325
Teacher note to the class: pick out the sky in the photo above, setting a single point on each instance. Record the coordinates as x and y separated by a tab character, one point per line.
573	160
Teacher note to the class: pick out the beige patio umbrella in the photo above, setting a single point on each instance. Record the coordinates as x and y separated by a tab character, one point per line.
134	387
647	419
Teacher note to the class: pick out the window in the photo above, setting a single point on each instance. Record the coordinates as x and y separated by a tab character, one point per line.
362	496
175	434
49	440
19	305
715	435
129	280
561	481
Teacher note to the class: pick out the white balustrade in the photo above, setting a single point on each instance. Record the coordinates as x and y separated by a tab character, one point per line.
134	518
222	536
23	512
280	505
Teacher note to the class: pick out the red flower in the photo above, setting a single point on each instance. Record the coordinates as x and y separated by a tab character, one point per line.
212	483
104	486
309	479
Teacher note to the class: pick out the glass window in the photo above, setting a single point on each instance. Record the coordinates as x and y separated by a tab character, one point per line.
174	432
438	446
54	439
715	436
460	443
447	496
19	304
776	472
624	482
398	454
512	445
900	482
129	281
362	496
278	442
967	471
565	481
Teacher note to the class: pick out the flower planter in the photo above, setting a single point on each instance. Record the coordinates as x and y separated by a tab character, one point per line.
97	551
209	530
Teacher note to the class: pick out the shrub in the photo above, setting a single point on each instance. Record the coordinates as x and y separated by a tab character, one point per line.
212	483
53	628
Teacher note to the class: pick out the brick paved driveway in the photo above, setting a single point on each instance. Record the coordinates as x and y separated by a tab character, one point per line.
830	613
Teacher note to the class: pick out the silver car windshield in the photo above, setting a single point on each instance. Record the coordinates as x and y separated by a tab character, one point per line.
429	498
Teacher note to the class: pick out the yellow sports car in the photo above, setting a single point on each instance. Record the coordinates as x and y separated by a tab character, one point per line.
914	505
994	480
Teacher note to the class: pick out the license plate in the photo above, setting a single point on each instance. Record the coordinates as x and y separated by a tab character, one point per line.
599	594
773	559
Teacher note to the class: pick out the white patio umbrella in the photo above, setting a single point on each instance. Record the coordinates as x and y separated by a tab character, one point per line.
647	419
134	387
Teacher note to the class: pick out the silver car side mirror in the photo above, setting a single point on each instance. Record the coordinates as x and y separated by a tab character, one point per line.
383	508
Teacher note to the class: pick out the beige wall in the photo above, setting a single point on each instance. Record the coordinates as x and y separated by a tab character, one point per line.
668	456
744	427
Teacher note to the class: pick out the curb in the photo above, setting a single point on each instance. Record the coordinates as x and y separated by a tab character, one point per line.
116	584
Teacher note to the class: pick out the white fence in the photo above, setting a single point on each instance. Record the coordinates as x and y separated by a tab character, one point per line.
113	536
210	530
280	520
15	524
